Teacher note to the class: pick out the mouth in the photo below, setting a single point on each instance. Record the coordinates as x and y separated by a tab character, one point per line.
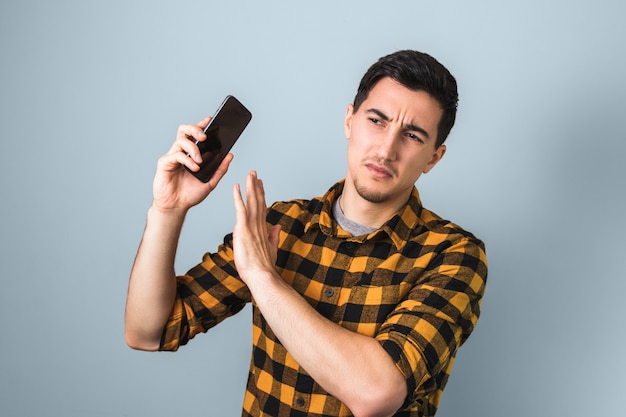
379	170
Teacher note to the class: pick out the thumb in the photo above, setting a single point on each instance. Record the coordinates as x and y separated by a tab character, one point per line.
274	235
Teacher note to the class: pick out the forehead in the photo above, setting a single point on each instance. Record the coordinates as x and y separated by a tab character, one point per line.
401	103
390	90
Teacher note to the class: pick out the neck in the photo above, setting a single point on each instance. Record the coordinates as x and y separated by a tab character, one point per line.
364	212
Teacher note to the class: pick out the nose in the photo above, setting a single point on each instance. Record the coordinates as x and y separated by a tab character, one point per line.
387	148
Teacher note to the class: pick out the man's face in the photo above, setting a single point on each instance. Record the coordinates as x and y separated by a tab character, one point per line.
391	141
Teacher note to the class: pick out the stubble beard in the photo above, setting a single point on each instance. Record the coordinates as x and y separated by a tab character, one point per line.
371	196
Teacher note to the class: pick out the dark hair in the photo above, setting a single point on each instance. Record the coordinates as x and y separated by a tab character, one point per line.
419	72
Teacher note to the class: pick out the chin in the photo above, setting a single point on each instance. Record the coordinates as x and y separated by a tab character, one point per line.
371	195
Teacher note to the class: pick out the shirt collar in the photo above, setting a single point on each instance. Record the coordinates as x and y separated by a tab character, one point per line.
398	228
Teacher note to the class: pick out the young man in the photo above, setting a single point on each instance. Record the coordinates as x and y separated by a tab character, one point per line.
360	297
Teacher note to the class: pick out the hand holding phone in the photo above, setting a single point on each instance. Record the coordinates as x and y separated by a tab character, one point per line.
222	132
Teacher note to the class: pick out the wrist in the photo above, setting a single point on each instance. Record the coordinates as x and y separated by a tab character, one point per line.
167	216
168	211
264	282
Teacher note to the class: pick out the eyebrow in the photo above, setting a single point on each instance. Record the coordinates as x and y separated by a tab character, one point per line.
409	126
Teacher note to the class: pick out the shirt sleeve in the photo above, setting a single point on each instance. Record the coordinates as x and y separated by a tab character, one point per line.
424	331
209	293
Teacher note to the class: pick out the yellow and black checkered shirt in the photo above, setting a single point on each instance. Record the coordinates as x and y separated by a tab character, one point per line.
415	285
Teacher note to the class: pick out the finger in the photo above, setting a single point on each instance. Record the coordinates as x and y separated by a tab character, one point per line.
187	148
256	203
251	198
240	208
262	206
221	170
201	137
191	132
173	161
186	140
204	122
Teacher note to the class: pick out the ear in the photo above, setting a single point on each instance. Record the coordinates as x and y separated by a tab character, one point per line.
347	124
439	153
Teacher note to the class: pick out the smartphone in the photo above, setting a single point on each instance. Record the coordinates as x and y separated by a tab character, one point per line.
222	132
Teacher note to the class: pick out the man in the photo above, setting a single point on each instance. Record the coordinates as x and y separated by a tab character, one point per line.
360	297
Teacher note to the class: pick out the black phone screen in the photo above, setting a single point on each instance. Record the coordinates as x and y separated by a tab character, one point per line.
223	130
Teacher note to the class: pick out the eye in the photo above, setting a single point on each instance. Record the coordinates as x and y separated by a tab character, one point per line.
375	120
414	137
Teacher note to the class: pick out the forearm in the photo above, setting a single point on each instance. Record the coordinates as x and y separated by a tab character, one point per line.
352	367
152	286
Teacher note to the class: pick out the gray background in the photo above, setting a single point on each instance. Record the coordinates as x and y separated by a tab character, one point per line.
91	94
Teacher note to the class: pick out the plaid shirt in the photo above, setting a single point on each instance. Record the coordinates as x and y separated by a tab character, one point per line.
415	285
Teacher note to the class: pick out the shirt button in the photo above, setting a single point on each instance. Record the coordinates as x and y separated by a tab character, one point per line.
300	402
329	292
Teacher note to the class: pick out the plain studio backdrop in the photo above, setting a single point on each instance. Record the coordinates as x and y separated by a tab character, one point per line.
91	94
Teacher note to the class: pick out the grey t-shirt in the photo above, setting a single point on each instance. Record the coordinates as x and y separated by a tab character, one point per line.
354	228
